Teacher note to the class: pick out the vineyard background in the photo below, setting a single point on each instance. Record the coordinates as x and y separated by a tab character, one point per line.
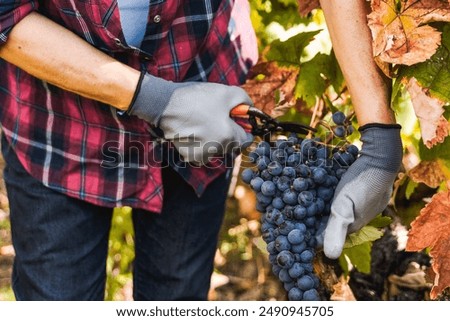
298	79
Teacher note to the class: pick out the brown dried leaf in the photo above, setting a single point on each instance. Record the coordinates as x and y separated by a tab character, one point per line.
442	131
342	291
429	111
432	229
398	33
414	278
429	173
385	67
306	6
277	82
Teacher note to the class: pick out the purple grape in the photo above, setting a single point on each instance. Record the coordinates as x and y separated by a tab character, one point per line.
338	118
247	175
305	283
268	188
295	294
340	131
296	270
256	184
275	168
311	295
285	259
296	237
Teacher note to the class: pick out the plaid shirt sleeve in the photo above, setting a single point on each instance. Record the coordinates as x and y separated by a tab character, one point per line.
11	12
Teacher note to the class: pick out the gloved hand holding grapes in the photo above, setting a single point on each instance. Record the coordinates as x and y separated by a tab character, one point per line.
365	189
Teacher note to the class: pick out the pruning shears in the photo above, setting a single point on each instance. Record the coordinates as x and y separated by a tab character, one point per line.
262	124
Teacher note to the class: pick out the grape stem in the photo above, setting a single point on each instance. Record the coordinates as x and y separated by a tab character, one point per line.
349	118
313	123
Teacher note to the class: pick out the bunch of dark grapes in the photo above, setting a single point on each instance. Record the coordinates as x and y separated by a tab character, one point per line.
294	180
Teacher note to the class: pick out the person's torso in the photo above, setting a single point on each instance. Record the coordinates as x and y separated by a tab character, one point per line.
60	137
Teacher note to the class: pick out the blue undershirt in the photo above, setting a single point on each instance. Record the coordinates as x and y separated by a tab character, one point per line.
133	17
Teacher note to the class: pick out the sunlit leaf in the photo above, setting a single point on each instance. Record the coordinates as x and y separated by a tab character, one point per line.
429	111
366	234
289	52
434	74
314	78
398	30
276	82
359	256
380	221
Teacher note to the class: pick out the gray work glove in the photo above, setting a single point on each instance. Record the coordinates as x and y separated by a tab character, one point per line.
365	189
194	116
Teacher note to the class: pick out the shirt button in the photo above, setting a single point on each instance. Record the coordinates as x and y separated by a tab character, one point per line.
157	18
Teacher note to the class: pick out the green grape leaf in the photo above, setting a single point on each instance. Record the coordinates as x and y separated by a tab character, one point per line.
335	74
288	2
313	78
380	221
440	151
289	52
359	256
397	91
284	12
366	234
410	188
408	213
434	73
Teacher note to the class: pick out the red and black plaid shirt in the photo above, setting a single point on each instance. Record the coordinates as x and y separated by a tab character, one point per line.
64	139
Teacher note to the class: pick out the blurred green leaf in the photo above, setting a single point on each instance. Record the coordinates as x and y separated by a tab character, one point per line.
284	12
261	245
407	214
410	188
334	73
440	151
121	253
289	52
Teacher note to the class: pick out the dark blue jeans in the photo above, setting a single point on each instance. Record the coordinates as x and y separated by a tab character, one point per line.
61	243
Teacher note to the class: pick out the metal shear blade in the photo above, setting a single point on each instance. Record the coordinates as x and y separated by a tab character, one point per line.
263	124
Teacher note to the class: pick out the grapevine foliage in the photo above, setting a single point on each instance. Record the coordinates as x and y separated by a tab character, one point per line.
411	41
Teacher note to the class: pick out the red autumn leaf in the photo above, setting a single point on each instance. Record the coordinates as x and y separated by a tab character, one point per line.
271	87
398	30
441	264
432	229
429	111
306	6
428	172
